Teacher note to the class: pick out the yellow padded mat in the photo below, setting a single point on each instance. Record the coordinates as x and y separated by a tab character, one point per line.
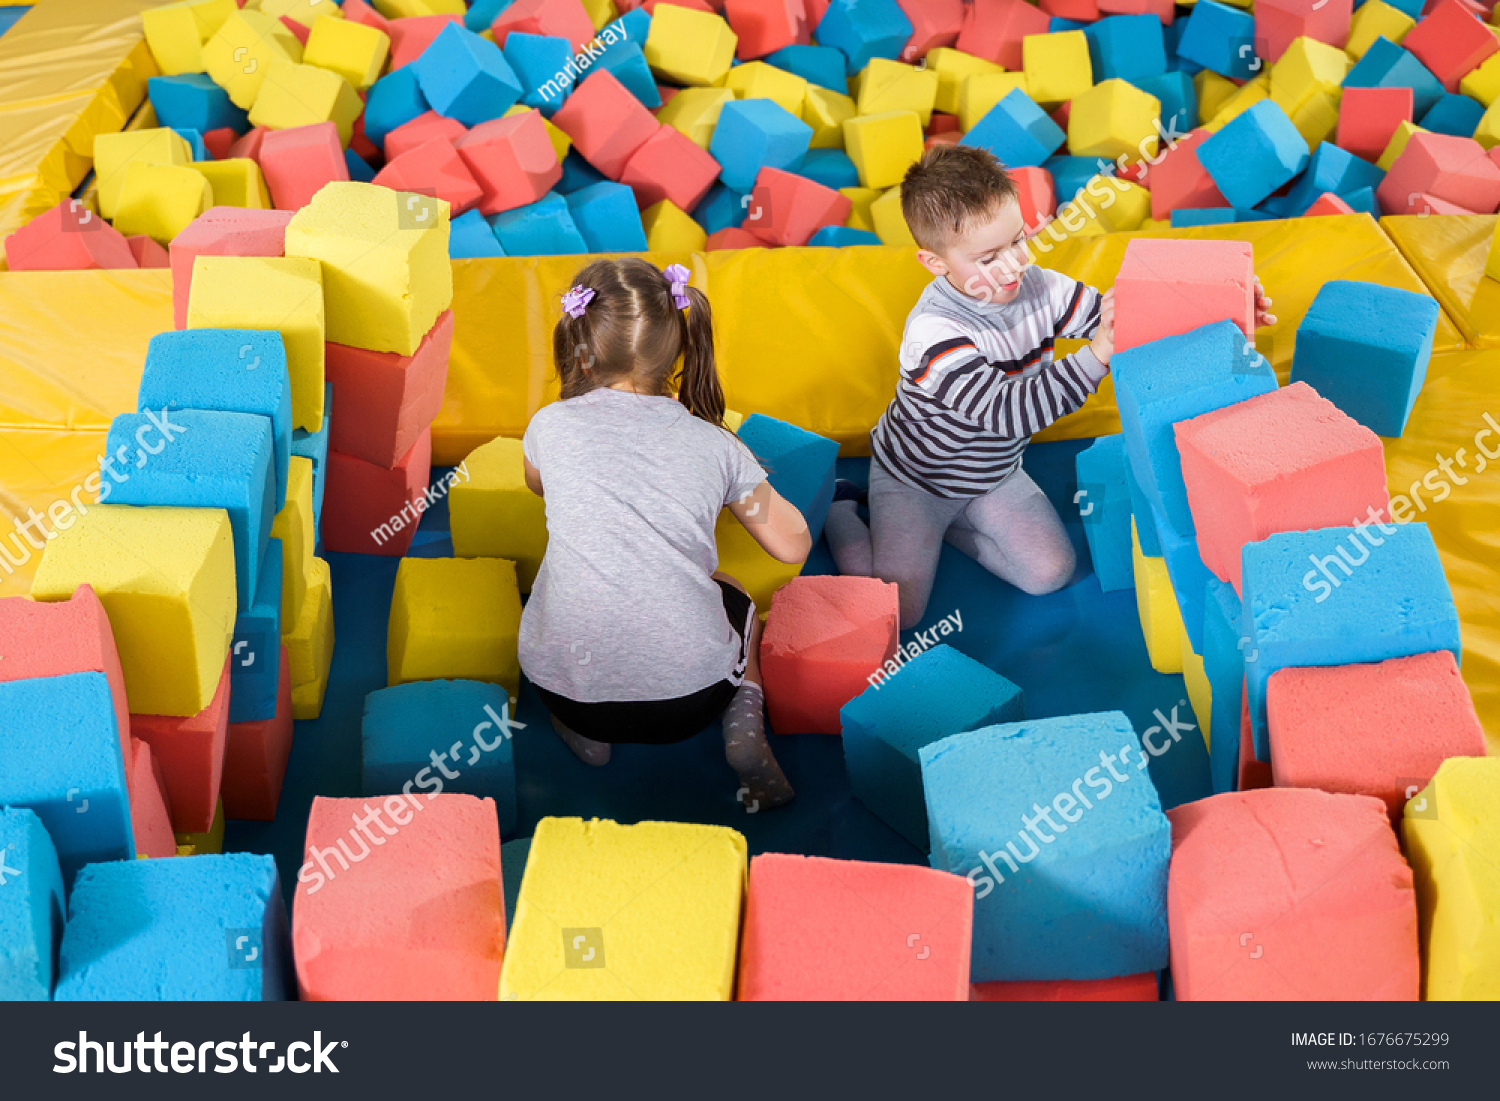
1449	253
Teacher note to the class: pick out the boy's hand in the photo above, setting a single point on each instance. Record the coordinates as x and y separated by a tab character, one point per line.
1263	314
1103	344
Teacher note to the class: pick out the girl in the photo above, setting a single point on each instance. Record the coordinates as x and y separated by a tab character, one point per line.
629	634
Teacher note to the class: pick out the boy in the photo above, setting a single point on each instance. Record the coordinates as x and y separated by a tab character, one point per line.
977	382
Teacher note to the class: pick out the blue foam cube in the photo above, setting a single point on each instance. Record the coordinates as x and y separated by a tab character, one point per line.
1221	39
608	218
201	928
1058	24
1254	154
313	446
820	65
31	907
829	167
1328	597
483	13
1224	665
542	228
1179	100
1083	896
633	26
466	77
1017	131
1189	577
1165	381
1363	200
192	101
1215	216
1127	47
1330	169
1387	65
1413	8
231	370
1103	500
1365	347
410	732
1171	37
938	693
752	134
577	174
537	60
218	460
1453	114
470	236
842	236
628	64
800	465
255	653
194	139
1071	174
393	100
359	169
864	29
721	208
513	857
61	757
1141	513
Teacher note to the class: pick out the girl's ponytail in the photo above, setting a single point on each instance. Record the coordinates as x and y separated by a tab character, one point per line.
698	386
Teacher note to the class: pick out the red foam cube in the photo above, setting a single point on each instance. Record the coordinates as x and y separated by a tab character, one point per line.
512	159
1164	10
1451	42
1180	180
247	147
1290	894
815	9
1125	988
765	26
606	122
993	30
369	509
1166	287
1278	22
255	756
692	5
300	161
554	18
940	139
787	209
417	132
359	141
944	124
1325	204
1080	11
1038	196
934	23
732	237
1422	205
1369	116
222	231
433	169
69	237
1062	114
299	31
1456	170
1378	729
385	400
150	820
846	930
147	253
357	11
191	753
413	34
218	142
424	920
670	165
1289	460
824	638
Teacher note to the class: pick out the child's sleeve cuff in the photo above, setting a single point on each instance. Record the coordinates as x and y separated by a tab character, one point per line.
1089	362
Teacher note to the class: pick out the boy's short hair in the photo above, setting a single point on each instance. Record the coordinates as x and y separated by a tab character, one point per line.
949	189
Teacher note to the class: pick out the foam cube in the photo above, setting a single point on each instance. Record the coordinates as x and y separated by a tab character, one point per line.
606	215
295	95
1125	988
191	101
563	18
411	35
822	930
883	146
695	112
1374	20
1221	38
669	166
755	134
1103	500
434	169
420	130
222	232
1327	204
256	753
257	641
1188	576
1366	598
310	644
894	86
471	237
830	167
1254	154
159	200
542	228
1306	68
1279	22
1446	167
543	66
656	907
1038	197
1113	119
241	52
1454	114
455	619
295	527
889	221
1387	65
1451	42
757	80
953	68
1369	116
938	693
61	758
1057	66
31	912
384	258
826	112
190	751
786	209
1127	47
466	77
1397	145
995	30
234	182
1290	895
354	51
668	229
820	65
1483	84
68	237
387	400
1170	287
1017	131
865	29
198	844
372	509
494	515
690	47
1224	667
1179	103
314	447
300	15
175	33
764	26
607	123
392	101
824	638
1097	904
166	578
801	465
212	928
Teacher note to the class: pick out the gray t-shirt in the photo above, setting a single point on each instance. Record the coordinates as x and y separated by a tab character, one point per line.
624	607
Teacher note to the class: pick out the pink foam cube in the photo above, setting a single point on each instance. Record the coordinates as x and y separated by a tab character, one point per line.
765	26
1081	11
1289	460
1166	287
385	400
1278	22
1451	42
433	169
147	253
300	161
190	751
219	141
732	237
1180	180
846	930
422	920
1290	894
369	509
671	165
1378	729
299	31
993	30
1125	988
934	23
1038	196
1369	116
413	34
554	18
1421	205
68	237
824	638
1325	204
255	756
248	146
417	132
223	231
606	122
1456	170
357	11
150	820
787	209
693	5
360	142
512	159
1164	10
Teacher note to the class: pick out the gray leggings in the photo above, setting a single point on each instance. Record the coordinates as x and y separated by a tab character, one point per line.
1013	531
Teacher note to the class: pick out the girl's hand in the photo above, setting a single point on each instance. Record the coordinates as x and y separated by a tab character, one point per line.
1263	314
1103	344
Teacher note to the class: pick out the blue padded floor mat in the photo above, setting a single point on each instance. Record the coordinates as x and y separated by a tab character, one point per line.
1073	651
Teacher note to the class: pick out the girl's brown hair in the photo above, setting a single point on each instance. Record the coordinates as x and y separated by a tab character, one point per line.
632	328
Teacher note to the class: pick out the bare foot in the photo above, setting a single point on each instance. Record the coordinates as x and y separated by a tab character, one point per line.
586	750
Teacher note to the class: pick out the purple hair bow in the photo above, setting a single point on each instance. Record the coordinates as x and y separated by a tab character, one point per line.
576	299
678	276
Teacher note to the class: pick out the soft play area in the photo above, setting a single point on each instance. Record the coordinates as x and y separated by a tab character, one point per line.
281	279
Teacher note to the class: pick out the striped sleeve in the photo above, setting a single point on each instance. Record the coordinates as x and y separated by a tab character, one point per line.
1077	307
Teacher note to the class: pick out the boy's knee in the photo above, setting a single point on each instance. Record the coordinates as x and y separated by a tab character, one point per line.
1050	574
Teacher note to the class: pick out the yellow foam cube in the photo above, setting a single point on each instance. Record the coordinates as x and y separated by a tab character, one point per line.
305	12
695	112
1317	119
601	12
668	229
895	86
1156	604
1397	145
1376	19
1245	97
494	514
455	619
1200	692
159	200
236	181
1114	118
294	526
953	67
309	648
1213	92
606	912
1305	69
561	143
888	220
113	153
204	844
1487	133
386	275
1451	831
1057	66
979	93
166	579
241	51
757	80
353	50
861	199
411	9
733	420
176	32
826	112
300	95
689	47
1482	83
1111	204
883	146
